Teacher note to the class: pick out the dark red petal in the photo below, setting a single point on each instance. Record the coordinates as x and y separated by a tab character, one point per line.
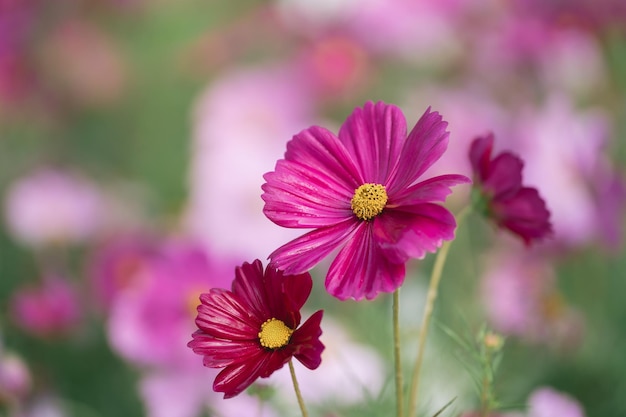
250	288
233	379
480	155
223	315
374	136
219	353
287	294
305	342
524	214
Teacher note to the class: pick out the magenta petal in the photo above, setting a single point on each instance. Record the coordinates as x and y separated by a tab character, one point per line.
425	144
525	214
313	185
504	177
304	252
413	231
307	347
433	189
221	314
286	294
480	154
361	270
374	136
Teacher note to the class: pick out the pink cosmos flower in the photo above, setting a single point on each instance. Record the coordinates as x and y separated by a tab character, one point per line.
253	330
359	191
548	402
53	206
48	309
498	181
150	320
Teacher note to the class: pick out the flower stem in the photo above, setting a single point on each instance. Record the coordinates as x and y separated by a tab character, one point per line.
396	354
431	297
296	388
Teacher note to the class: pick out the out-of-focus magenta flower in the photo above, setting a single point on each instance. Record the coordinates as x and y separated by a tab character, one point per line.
150	321
359	191
241	124
564	152
522	299
548	402
50	207
183	392
48	309
15	378
253	330
501	196
83	63
117	263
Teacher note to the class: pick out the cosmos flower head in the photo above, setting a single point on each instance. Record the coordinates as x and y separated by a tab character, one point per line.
358	190
500	195
254	329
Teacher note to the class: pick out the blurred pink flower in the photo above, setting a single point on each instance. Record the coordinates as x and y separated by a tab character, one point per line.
150	321
52	207
117	263
563	149
521	297
15	377
83	63
50	308
241	124
548	402
187	392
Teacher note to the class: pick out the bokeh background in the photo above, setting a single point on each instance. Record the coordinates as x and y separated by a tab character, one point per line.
133	139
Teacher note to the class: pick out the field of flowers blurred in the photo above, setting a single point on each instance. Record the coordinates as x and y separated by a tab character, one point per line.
134	135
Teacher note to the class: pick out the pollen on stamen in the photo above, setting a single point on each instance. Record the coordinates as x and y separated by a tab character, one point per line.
369	200
274	334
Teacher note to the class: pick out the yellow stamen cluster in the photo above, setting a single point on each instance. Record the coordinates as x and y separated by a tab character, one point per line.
274	334
369	201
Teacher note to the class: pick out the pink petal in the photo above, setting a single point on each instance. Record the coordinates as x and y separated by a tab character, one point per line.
425	144
412	231
314	184
221	314
433	189
374	136
525	214
361	270
304	252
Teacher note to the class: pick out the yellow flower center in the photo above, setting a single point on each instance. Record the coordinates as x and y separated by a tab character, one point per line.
274	334
369	201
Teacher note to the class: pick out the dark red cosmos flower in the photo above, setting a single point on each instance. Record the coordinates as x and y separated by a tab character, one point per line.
253	330
500	196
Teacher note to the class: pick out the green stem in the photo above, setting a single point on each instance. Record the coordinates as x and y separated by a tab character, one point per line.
431	297
396	353
296	388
